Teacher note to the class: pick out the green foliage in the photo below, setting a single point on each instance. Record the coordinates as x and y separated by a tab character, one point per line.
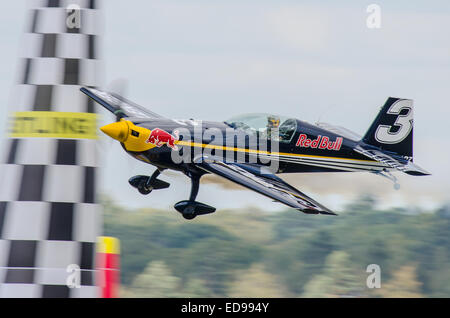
155	281
403	284
338	279
234	253
256	282
290	223
214	260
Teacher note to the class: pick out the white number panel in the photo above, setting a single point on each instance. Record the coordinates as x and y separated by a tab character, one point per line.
384	133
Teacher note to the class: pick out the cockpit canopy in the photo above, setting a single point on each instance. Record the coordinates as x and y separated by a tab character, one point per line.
262	124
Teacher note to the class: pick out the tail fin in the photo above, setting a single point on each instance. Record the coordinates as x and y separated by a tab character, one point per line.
392	129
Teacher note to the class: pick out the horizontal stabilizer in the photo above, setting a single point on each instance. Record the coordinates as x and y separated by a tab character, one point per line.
393	161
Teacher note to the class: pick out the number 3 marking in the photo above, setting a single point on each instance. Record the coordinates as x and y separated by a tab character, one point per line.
405	122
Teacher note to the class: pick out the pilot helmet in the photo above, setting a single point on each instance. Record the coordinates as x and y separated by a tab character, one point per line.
273	121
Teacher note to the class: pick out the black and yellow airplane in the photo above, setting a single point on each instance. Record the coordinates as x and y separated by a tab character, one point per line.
251	149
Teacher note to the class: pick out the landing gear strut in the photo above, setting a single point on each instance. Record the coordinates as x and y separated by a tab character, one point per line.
385	173
146	184
191	208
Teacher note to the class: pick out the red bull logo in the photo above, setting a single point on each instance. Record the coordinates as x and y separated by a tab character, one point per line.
322	142
160	137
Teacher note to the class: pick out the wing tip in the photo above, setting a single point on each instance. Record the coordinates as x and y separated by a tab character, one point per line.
415	170
316	211
328	213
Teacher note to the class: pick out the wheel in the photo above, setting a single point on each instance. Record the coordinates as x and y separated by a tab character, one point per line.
189	212
189	216
142	188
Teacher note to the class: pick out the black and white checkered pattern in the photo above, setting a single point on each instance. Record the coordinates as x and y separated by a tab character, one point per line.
49	216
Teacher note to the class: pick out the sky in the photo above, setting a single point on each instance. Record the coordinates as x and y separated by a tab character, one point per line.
311	60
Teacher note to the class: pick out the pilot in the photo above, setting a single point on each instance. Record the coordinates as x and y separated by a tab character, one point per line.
273	123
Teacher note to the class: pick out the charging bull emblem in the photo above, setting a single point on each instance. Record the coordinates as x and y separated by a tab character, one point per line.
159	137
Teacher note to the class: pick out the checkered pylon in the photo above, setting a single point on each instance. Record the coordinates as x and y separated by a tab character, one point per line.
49	218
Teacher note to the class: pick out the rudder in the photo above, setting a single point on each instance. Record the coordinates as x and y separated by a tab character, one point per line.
392	129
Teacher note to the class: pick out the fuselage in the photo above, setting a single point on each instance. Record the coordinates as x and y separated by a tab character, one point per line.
307	148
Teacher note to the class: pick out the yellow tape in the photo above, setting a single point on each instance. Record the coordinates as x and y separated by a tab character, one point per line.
108	245
53	125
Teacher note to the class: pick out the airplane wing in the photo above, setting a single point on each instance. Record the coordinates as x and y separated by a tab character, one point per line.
266	184
118	105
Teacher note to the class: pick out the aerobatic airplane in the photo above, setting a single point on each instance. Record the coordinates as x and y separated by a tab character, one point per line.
251	149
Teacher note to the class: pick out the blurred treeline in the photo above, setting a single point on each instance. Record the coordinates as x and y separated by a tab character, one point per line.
252	253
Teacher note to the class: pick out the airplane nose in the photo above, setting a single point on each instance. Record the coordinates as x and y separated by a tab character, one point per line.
117	130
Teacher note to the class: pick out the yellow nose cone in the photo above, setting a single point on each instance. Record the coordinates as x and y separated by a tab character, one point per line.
117	130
